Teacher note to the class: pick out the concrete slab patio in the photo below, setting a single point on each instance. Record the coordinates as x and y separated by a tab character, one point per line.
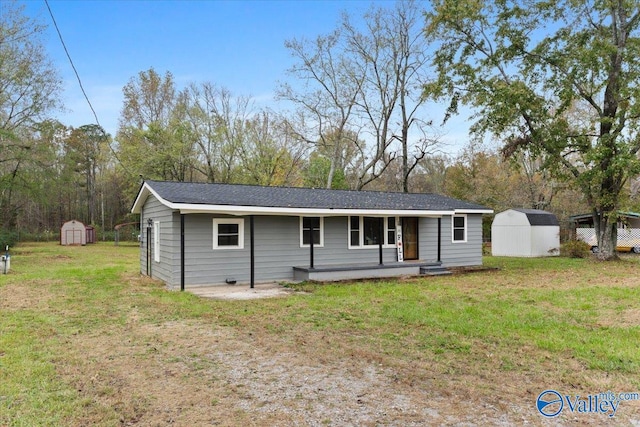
241	292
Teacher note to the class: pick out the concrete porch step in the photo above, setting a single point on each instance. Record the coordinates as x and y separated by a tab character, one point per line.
434	270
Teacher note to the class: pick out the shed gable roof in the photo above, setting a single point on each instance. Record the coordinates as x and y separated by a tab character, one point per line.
539	217
201	195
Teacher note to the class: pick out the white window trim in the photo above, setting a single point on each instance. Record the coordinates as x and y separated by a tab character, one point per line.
466	228
361	244
239	221
156	241
315	245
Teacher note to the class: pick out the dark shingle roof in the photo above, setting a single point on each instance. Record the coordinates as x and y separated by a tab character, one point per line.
293	197
539	217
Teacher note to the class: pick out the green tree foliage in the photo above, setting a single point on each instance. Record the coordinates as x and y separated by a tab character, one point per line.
527	65
152	138
202	133
216	121
29	88
29	85
483	176
87	152
269	155
318	168
71	175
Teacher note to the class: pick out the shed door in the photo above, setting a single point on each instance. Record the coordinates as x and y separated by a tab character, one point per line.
410	238
73	237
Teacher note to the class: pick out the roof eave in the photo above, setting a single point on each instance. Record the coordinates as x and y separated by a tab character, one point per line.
473	211
143	194
295	211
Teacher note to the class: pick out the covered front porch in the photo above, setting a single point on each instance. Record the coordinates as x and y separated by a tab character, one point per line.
328	273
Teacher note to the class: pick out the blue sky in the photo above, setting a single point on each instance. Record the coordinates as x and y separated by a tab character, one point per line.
235	44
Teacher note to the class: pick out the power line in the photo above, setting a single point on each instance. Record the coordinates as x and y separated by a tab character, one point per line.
75	71
55	24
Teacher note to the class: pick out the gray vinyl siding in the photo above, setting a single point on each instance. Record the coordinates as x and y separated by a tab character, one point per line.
428	239
451	254
203	264
277	247
165	269
277	250
336	247
462	254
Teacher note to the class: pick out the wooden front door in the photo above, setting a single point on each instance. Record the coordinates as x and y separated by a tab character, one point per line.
410	238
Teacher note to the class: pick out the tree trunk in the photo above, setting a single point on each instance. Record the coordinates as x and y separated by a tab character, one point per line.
332	171
405	160
607	236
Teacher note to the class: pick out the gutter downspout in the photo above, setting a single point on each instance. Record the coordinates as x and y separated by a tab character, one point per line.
149	230
181	252
311	238
440	238
252	258
381	239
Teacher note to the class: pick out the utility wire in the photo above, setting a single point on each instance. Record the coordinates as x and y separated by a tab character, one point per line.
55	24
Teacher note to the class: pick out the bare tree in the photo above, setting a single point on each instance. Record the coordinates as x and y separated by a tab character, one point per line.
366	83
328	95
270	156
217	122
392	50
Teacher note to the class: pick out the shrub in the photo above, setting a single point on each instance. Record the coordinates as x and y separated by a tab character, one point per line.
7	238
575	249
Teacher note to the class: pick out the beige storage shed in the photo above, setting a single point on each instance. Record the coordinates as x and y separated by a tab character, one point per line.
73	233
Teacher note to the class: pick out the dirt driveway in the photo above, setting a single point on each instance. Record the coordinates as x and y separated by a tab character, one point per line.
186	374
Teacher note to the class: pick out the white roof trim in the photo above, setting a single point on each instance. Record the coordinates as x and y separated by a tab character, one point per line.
142	197
473	211
263	210
191	208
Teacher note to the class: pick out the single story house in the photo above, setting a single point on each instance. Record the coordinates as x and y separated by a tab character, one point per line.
525	233
195	234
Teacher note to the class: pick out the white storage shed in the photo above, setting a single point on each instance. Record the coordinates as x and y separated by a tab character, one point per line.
525	233
73	233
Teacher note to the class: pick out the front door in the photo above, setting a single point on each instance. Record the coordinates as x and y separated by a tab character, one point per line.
410	238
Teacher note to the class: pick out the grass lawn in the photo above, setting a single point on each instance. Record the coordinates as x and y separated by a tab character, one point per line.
86	340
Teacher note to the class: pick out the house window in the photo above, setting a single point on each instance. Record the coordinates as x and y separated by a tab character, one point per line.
391	230
365	231
371	227
354	231
459	228
156	241
311	226
228	233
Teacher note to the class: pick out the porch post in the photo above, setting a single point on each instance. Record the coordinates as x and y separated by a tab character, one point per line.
381	239
252	252
182	252
439	238
310	243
